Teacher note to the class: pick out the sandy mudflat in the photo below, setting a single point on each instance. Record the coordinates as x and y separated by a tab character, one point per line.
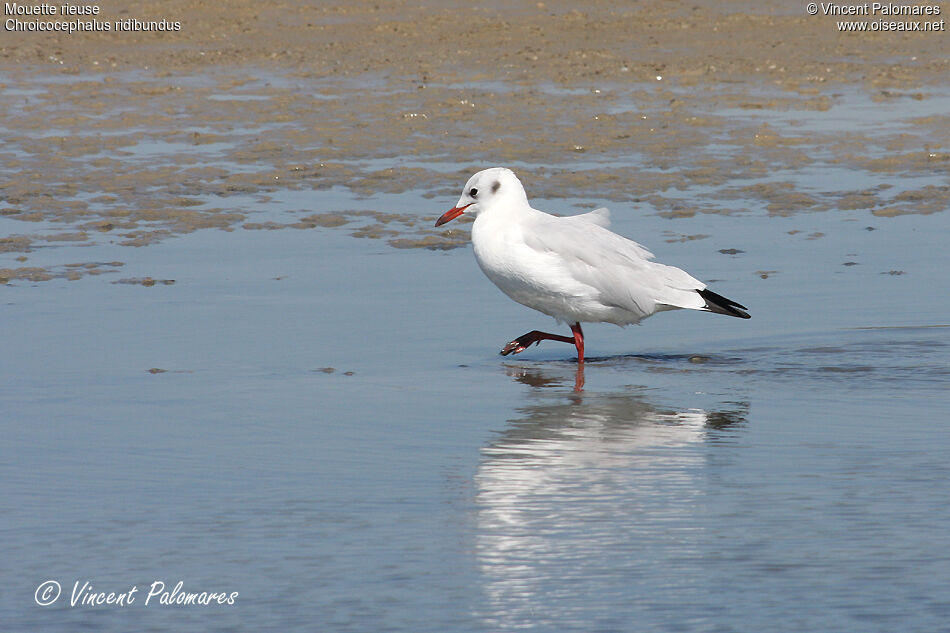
142	135
693	42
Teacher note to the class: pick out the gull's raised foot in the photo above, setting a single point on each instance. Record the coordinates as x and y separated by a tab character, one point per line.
512	348
533	337
519	345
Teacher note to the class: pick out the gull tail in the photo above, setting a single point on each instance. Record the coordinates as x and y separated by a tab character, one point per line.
720	305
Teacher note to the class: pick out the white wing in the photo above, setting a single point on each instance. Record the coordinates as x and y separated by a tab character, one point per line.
600	217
618	271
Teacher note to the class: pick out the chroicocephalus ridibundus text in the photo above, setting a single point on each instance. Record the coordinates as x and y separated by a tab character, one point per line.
571	268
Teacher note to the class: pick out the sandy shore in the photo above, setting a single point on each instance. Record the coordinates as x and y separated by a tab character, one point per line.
693	42
145	134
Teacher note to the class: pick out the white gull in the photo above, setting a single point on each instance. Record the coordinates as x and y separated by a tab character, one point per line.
571	268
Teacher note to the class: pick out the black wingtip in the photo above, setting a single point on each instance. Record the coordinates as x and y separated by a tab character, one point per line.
720	305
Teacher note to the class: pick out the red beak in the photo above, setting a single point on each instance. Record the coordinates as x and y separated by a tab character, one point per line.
451	214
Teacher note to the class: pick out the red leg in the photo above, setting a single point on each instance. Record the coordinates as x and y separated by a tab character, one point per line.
578	342
524	341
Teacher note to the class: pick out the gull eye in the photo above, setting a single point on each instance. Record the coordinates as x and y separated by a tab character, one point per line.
473	192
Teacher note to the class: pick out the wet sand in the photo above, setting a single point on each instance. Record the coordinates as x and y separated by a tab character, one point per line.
128	138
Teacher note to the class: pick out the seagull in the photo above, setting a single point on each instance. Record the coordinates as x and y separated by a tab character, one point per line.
571	268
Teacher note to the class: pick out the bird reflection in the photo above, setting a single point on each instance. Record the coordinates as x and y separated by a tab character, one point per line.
584	487
534	377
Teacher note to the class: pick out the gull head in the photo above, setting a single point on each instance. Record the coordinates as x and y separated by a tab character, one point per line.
487	190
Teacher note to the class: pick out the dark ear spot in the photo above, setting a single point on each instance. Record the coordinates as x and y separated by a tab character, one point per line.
495	186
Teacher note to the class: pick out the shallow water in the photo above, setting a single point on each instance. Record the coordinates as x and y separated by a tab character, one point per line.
322	424
788	473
